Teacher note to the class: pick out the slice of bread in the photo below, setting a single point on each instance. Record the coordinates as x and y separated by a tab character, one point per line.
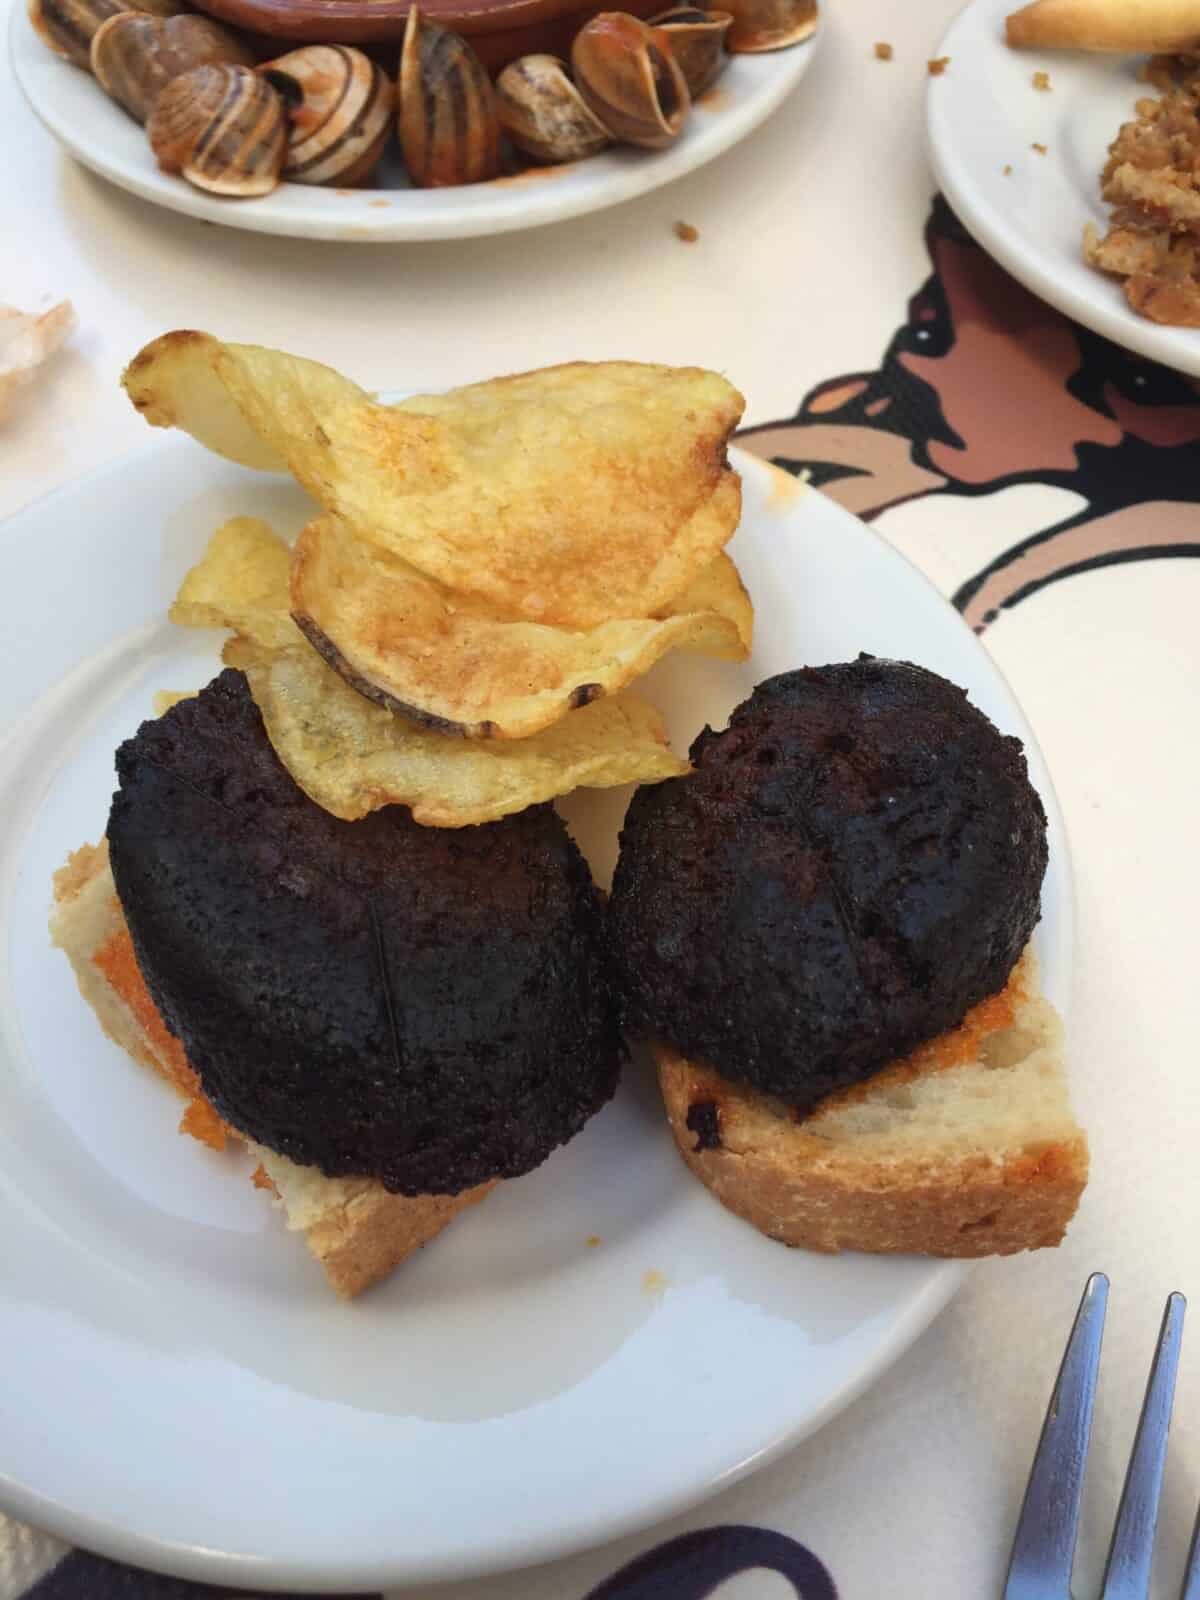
355	1227
965	1148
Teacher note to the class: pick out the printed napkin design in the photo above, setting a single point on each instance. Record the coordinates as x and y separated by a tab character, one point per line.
985	388
695	1565
692	1567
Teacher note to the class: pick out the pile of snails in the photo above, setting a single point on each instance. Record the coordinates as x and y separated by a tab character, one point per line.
323	113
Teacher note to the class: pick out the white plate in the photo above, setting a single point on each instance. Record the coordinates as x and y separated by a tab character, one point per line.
985	115
178	1386
97	132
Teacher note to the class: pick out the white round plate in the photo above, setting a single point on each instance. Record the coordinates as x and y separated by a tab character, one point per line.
984	116
178	1385
97	132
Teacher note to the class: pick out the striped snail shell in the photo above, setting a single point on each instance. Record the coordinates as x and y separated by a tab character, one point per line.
449	126
543	113
223	128
68	26
339	108
135	55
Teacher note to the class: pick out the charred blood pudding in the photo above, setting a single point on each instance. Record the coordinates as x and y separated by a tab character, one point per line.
853	864
423	1006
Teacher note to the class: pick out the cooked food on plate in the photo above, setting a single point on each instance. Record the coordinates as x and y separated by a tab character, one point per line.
359	943
1149	177
1127	27
1149	181
415	1011
352	755
235	125
407	642
573	495
335	910
824	928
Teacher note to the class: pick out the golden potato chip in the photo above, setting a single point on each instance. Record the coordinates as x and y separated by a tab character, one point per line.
572	496
718	588
404	641
164	699
240	582
243	653
178	381
352	757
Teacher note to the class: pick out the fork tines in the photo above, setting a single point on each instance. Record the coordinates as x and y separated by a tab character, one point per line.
1044	1547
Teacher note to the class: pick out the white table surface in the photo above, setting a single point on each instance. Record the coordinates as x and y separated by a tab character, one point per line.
810	245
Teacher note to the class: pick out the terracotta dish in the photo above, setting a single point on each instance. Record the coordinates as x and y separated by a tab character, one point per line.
499	30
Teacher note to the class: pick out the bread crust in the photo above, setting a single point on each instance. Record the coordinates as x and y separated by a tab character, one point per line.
1129	27
358	1231
822	1194
363	1240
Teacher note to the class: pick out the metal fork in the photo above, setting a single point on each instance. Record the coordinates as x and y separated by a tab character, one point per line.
1044	1548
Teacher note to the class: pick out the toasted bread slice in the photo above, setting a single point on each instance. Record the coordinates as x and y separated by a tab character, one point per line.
357	1230
965	1148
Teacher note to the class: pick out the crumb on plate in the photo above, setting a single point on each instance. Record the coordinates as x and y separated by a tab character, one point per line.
685	231
1040	148
594	1239
653	1282
1041	80
938	65
883	51
1008	169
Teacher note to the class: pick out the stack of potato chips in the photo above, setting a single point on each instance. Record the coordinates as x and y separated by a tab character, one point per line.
491	568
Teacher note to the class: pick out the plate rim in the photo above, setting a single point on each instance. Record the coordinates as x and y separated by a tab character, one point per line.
1010	245
200	1564
941	1281
477	213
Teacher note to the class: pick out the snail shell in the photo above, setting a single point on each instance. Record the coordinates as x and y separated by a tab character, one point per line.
223	127
697	40
449	125
339	109
769	24
135	55
627	75
543	113
68	26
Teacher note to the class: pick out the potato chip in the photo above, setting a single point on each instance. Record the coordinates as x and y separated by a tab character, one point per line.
572	496
352	757
718	588
164	699
243	653
177	381
240	582
405	642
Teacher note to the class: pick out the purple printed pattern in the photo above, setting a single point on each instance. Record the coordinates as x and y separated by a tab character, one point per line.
688	1568
692	1566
